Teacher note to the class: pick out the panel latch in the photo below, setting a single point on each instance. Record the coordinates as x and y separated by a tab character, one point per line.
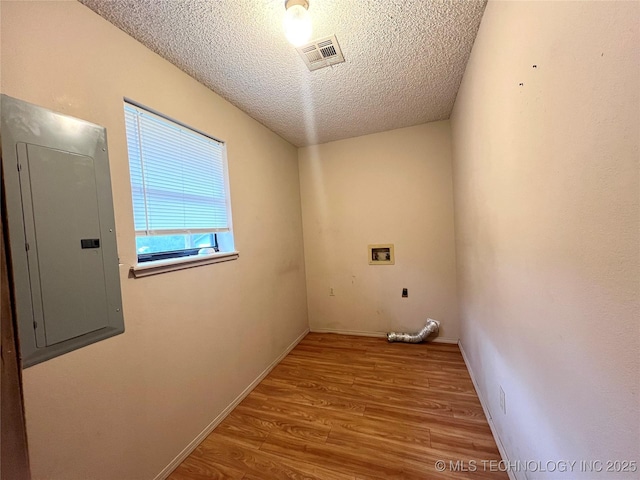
90	243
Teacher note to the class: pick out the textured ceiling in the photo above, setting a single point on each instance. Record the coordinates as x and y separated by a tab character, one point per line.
404	58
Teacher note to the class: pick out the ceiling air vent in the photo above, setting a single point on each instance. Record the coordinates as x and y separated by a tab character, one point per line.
321	53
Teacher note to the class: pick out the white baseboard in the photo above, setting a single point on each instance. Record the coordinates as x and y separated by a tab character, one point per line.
166	471
487	413
451	341
355	333
360	333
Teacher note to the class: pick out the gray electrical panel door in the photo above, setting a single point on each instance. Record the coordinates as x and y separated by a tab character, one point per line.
68	272
62	233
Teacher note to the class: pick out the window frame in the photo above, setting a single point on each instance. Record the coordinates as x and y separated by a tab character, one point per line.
161	262
185	252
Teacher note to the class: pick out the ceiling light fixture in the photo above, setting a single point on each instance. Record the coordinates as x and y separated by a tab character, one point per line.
297	22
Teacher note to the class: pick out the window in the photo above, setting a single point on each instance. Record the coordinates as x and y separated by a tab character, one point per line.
179	188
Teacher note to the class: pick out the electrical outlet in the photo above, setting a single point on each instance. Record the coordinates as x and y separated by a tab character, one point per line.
503	401
405	292
331	293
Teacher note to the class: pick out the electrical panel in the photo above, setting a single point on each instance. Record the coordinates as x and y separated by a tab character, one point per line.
62	237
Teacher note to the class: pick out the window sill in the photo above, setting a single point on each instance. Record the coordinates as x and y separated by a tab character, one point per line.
163	266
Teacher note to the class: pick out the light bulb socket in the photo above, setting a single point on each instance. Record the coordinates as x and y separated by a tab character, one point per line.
290	3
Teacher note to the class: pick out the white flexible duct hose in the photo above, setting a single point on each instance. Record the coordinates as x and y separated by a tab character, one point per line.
432	326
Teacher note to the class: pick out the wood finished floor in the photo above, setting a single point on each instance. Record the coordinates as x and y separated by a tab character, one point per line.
352	408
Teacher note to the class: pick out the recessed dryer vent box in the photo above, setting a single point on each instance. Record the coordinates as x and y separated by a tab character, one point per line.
62	236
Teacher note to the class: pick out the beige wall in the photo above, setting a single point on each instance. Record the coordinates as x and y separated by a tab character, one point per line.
546	181
125	407
391	187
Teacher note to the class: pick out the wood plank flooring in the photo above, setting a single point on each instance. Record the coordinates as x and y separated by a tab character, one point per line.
353	408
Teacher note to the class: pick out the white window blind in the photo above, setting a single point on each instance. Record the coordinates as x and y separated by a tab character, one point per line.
178	178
